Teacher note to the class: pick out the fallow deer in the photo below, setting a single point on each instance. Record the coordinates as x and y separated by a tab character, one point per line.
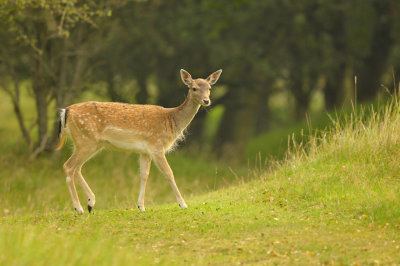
146	129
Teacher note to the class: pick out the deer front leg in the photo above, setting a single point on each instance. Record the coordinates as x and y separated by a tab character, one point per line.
162	164
144	163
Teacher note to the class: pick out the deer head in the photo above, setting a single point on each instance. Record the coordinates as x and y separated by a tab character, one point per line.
199	89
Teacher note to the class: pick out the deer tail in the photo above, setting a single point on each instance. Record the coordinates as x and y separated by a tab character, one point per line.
62	135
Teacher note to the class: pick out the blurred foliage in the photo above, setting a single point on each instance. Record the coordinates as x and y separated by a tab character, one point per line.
131	51
47	43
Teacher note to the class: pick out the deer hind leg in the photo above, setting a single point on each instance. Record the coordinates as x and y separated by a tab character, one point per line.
162	164
72	167
89	193
144	162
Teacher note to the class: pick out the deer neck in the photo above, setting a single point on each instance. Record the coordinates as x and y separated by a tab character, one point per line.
185	113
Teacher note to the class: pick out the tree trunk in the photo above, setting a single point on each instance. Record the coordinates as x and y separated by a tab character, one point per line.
15	99
262	111
41	111
61	90
374	65
301	107
301	93
334	88
142	96
112	93
238	123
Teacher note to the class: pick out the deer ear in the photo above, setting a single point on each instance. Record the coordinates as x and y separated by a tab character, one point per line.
186	77
213	78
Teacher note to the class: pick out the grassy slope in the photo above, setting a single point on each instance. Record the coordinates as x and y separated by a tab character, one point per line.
336	203
274	143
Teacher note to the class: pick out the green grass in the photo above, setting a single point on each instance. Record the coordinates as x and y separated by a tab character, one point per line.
333	200
274	143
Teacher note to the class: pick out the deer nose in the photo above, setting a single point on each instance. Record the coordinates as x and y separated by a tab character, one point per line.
206	101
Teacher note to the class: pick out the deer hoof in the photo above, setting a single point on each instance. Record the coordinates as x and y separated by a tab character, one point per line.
79	210
183	205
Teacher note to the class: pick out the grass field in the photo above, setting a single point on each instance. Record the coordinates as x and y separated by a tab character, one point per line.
334	200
